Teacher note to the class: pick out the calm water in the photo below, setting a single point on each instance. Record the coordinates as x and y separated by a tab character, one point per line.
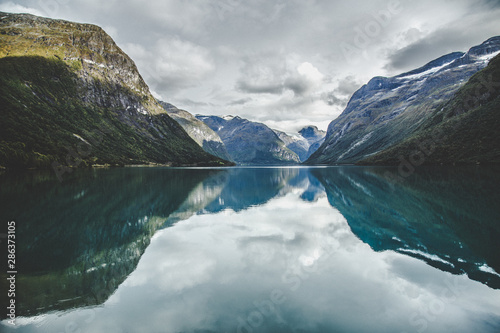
342	249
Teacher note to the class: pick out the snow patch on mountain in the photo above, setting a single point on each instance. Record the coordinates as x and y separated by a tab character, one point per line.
425	73
429	256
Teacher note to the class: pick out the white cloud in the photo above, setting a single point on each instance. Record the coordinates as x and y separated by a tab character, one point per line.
171	64
285	58
306	79
310	72
287	92
205	272
11	7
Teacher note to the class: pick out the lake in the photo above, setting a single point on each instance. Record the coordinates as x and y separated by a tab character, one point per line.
285	249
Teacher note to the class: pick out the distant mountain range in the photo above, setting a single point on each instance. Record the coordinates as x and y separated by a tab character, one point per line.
70	97
250	143
238	138
204	136
304	144
387	111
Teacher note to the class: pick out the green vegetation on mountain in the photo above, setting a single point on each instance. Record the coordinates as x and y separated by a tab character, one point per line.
44	120
463	130
388	110
203	135
451	213
69	97
100	223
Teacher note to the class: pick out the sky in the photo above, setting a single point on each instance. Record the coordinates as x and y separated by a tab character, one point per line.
286	63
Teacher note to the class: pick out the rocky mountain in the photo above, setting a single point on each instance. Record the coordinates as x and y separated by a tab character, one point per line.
98	245
424	217
463	130
204	136
305	143
386	111
70	97
250	143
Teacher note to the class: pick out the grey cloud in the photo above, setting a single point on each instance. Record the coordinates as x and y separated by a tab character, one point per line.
261	73
340	96
251	49
424	50
348	85
240	101
191	103
331	98
298	85
255	88
459	35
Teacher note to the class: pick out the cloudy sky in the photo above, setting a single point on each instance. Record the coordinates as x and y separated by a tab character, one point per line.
285	63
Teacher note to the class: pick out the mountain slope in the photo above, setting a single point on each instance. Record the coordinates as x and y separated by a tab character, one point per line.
306	143
70	97
250	143
446	217
387	110
463	130
101	224
204	136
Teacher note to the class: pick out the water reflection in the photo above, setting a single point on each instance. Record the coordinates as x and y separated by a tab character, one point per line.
78	240
447	217
264	250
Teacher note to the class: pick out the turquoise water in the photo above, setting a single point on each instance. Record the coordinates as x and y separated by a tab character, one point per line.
340	249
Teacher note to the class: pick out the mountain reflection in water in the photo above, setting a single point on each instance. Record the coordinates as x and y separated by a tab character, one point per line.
342	249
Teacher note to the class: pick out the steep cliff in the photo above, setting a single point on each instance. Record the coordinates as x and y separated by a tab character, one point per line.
386	111
204	136
306	142
71	97
463	130
250	143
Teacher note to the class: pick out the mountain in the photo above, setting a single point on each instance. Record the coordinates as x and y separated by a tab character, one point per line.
204	136
463	130
386	111
250	143
70	97
427	216
314	136
98	245
304	144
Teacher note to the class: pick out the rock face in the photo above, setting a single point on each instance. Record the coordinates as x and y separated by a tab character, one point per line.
463	130
250	143
204	136
304	144
386	111
71	97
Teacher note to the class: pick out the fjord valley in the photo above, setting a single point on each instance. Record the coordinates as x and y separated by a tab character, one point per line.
133	214
462	130
71	96
384	115
135	248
